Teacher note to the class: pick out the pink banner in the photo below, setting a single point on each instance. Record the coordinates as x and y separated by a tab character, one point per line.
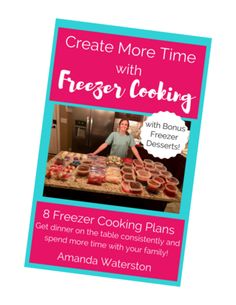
107	241
128	73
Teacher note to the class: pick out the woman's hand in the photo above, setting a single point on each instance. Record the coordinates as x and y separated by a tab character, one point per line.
136	153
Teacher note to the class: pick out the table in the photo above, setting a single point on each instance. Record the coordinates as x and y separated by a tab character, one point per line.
107	193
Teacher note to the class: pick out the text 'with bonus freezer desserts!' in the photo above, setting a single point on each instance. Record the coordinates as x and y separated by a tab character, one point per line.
118	152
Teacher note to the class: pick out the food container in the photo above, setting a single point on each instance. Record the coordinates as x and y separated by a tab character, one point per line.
164	168
60	172
113	179
87	162
63	176
128	178
51	174
127	162
125	187
138	164
99	164
160	180
101	159
165	174
92	157
159	165
64	153
75	163
59	161
172	180
148	161
53	171
76	156
138	167
127	170
83	157
150	166
69	168
153	186
83	170
143	176
112	170
170	190
135	187
114	160
154	172
95	176
113	175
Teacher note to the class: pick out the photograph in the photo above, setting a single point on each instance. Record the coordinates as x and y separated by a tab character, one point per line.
97	156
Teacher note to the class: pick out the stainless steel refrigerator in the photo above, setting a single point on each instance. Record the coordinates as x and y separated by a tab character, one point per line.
90	128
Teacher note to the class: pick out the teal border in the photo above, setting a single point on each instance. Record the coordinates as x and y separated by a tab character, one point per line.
190	162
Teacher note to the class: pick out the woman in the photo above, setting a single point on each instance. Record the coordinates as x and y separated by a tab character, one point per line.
120	142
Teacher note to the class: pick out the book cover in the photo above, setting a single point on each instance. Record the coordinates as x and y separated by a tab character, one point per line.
118	152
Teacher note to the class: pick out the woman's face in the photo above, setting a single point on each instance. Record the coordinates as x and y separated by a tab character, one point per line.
124	125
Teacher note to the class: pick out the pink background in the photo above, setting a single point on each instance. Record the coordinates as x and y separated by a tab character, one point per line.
47	253
89	66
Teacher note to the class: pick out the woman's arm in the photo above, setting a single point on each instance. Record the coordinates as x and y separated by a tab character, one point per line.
136	153
100	148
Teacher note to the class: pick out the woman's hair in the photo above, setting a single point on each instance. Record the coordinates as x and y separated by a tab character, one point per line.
122	120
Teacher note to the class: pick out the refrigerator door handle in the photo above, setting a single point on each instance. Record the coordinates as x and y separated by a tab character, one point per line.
91	126
90	130
87	129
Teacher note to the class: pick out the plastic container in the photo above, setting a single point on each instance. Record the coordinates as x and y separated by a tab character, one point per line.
160	180
53	170
113	175
113	170
60	172
138	164
128	165
92	157
83	157
59	161
99	164
76	156
143	176
165	174
113	179
127	170
148	162
96	176
125	187
170	190
150	167
87	162
114	160
159	165
83	170
64	153
101	158
75	163
69	168
128	178
63	176
154	172
172	180
153	186
127	162
135	187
